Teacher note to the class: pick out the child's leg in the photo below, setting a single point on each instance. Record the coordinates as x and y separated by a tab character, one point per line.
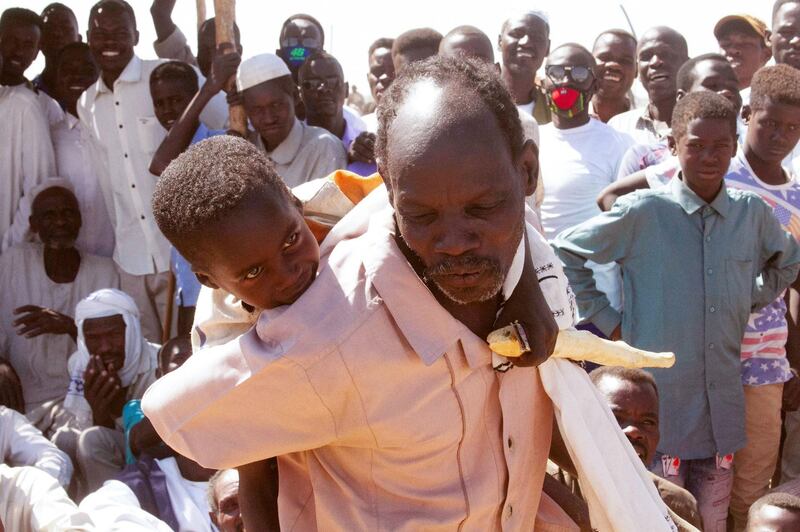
755	463
711	486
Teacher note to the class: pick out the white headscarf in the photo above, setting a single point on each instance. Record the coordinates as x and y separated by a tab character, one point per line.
101	304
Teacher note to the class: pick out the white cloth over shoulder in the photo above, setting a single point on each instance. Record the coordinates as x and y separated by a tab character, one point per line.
100	304
22	444
189	500
115	507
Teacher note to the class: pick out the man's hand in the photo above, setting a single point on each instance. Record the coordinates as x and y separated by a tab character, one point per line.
11	388
528	306
362	149
34	321
223	67
103	392
161	11
791	394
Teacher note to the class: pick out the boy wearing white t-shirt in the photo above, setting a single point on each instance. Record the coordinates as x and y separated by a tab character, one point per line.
579	155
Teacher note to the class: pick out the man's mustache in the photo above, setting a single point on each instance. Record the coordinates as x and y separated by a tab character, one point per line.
464	264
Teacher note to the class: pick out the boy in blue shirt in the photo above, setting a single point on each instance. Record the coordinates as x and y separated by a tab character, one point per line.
696	259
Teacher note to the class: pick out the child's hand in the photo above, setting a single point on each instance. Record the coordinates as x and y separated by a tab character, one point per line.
223	67
528	306
362	148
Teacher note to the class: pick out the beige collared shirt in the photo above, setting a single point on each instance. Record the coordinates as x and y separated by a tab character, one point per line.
640	126
308	153
388	407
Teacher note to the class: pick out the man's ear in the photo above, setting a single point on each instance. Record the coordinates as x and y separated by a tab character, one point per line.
673	145
747	113
680	94
205	280
32	222
529	160
135	37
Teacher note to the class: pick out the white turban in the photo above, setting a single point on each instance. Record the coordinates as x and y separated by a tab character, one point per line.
259	69
101	304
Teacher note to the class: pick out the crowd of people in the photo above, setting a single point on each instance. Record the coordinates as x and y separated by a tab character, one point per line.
284	328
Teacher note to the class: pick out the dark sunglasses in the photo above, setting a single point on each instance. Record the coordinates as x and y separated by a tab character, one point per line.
561	73
307	42
316	84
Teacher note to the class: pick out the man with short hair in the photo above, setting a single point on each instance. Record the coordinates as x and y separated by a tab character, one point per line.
468	41
615	53
580	155
414	45
632	396
118	119
59	28
223	500
785	38
744	41
20	35
42	283
776	512
380	76
524	43
323	90
301	35
660	54
300	152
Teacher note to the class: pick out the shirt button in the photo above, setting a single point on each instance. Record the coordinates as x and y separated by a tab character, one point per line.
711	346
710	271
133	185
120	126
510	442
116	103
711	386
126	155
143	217
509	511
712	309
708	239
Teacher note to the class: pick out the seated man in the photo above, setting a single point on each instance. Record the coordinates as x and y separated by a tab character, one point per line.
22	444
113	364
775	512
300	152
41	284
223	500
632	396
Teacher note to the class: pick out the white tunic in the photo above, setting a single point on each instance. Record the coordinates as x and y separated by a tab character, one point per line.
22	444
26	153
41	362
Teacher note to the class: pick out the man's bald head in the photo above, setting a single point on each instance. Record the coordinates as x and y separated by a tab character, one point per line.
467	41
451	149
668	35
571	54
660	54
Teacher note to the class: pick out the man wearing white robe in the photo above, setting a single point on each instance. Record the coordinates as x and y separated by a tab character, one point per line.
22	444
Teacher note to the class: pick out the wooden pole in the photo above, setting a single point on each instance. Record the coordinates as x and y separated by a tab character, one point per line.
225	15
201	13
166	329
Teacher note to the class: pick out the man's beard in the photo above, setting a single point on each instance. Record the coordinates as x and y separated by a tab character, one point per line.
487	265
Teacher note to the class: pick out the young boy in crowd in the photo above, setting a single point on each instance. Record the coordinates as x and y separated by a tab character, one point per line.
691	255
776	512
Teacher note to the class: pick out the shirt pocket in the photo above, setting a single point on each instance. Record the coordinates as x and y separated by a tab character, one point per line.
739	281
151	133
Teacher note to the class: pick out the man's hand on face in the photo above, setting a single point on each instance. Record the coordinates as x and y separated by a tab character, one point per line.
791	394
223	67
362	148
34	321
528	306
103	392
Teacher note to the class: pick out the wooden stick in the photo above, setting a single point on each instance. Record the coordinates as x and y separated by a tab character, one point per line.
201	13
225	15
166	331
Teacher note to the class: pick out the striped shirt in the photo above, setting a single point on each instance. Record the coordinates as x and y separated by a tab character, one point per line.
764	343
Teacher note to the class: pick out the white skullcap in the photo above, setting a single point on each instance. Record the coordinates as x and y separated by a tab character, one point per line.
258	69
51	182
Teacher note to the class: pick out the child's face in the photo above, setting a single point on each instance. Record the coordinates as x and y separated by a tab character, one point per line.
705	152
170	100
773	131
264	254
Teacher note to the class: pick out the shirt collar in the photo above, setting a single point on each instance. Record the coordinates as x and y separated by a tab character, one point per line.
287	150
425	324
691	202
131	73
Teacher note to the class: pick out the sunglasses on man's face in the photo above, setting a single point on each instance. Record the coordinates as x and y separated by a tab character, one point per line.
307	42
562	74
316	84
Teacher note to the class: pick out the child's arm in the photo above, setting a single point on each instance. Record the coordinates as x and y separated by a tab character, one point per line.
180	135
603	239
620	187
780	259
258	495
791	388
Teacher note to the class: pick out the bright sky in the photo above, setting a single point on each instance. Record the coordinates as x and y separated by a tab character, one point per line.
352	25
